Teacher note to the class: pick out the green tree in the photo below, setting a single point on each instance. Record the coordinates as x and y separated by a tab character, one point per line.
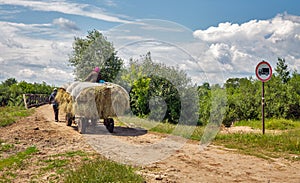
9	82
204	92
11	91
293	96
282	70
94	50
243	103
164	85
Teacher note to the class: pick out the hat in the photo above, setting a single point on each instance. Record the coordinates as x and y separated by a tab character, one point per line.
55	89
97	69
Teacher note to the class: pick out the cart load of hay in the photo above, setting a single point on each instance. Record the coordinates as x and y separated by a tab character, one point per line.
93	100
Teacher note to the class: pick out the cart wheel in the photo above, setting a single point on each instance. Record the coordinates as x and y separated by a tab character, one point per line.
94	122
69	119
82	123
109	123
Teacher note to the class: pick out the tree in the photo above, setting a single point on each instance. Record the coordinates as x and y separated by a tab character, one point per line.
282	70
204	92
92	51
11	91
9	82
166	88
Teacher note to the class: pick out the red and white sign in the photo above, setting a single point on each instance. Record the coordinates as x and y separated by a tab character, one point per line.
263	71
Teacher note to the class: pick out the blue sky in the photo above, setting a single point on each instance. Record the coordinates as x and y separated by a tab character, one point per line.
223	38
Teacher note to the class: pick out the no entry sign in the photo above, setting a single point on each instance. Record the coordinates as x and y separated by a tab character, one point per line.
263	71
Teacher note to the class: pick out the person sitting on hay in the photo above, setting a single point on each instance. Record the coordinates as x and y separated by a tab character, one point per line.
94	76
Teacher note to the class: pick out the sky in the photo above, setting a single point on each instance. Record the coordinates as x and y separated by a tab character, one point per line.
212	40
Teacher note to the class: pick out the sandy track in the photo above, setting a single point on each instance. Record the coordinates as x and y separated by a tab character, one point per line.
134	146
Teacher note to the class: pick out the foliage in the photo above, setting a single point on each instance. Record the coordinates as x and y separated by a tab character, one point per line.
158	91
11	91
204	92
282	97
94	50
282	70
100	170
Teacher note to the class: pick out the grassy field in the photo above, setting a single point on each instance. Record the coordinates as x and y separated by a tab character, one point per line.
271	124
9	115
282	138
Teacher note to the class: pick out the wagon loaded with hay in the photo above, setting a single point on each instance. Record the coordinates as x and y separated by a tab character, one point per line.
87	103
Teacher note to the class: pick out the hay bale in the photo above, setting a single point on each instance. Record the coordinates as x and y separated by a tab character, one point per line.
94	100
120	100
65	101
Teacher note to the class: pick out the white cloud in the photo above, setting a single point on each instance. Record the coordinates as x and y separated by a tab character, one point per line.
66	24
26	73
228	50
240	47
40	52
24	55
67	8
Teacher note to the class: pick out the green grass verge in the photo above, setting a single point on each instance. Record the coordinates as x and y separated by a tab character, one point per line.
268	145
282	144
17	159
9	115
270	124
60	162
102	170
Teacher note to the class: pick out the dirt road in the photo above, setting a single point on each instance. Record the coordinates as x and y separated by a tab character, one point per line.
163	158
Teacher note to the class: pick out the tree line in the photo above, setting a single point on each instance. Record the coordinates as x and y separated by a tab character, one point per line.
244	97
169	88
163	93
11	91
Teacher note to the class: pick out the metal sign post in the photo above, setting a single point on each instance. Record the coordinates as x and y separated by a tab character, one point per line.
263	72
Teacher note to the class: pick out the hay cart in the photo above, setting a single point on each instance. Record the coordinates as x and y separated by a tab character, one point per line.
86	104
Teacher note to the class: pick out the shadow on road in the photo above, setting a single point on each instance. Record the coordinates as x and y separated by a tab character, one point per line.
100	129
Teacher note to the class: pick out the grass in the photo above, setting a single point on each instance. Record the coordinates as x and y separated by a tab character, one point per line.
102	170
271	145
268	145
271	124
58	166
60	162
9	115
17	159
4	147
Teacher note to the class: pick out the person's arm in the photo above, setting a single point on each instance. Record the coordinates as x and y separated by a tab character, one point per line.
88	78
50	99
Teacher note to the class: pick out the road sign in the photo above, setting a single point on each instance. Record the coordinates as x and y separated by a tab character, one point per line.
263	71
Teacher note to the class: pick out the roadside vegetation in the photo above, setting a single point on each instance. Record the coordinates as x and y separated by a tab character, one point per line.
282	138
161	93
10	114
103	170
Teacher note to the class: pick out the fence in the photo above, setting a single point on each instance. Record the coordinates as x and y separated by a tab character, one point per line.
35	100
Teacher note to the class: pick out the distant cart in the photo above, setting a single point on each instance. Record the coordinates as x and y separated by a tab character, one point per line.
87	103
